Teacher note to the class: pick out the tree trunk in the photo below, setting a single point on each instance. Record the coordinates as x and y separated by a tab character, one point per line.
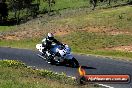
49	2
109	2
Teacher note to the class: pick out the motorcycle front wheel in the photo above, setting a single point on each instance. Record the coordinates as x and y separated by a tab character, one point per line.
74	63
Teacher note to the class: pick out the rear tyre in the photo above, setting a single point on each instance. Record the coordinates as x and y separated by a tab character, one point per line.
51	60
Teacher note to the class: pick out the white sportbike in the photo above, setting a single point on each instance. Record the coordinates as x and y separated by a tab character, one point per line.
58	54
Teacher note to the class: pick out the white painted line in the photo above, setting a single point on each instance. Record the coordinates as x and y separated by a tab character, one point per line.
72	77
96	83
105	86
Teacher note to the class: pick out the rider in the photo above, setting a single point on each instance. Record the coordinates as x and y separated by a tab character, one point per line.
47	42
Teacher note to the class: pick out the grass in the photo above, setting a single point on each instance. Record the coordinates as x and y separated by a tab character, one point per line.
95	43
15	74
117	18
64	4
28	43
6	28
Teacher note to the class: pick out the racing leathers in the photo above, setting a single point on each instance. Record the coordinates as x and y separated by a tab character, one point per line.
47	43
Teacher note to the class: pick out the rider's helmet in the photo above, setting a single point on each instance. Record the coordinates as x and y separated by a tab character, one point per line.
50	36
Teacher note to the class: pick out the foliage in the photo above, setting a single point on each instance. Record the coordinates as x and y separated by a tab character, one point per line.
3	11
24	9
55	76
11	63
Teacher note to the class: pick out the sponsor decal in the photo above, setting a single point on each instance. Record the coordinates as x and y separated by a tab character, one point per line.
105	78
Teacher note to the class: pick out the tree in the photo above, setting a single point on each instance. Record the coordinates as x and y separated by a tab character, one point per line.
17	6
3	10
34	8
94	3
50	3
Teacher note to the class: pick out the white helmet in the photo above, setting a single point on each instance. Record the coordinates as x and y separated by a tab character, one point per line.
50	36
66	45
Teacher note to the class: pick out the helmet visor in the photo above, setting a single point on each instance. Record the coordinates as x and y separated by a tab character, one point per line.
51	38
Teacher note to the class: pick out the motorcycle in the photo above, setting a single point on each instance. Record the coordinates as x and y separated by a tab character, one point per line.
58	54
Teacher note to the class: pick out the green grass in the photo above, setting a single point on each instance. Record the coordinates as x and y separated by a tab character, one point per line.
27	44
6	28
64	4
120	18
74	4
15	74
95	43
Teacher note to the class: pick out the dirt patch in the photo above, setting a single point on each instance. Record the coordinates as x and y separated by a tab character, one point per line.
25	32
121	48
107	30
93	29
33	33
23	35
11	37
61	33
117	32
59	30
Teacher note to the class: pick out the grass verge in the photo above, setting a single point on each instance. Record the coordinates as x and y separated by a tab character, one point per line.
27	43
15	74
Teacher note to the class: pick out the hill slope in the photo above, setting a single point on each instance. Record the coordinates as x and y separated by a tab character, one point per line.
101	32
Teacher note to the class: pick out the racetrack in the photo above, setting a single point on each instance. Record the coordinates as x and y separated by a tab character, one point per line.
95	65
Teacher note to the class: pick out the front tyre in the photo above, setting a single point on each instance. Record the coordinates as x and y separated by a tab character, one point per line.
74	63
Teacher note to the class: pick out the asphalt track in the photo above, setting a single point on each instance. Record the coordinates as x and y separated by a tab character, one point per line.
95	65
